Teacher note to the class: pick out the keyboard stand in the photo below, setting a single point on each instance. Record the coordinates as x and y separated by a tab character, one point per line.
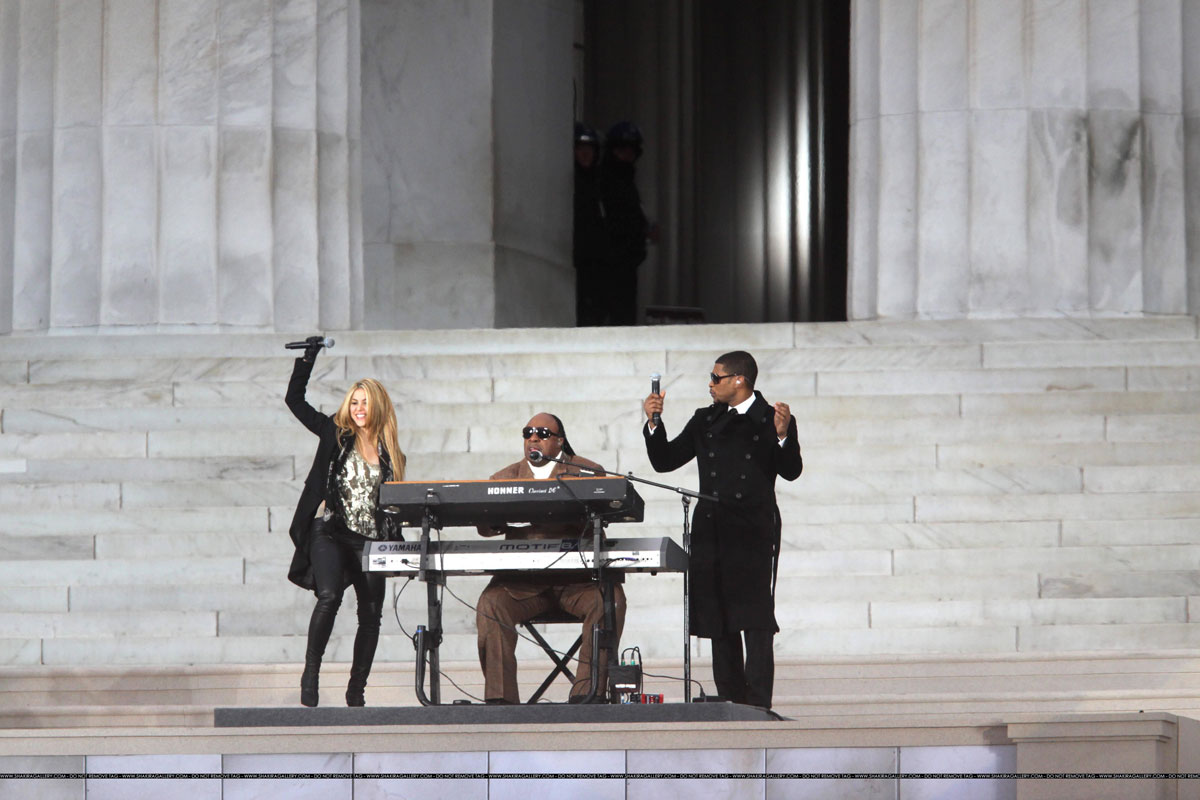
602	638
430	638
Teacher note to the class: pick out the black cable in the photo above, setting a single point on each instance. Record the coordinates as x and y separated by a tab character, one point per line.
446	588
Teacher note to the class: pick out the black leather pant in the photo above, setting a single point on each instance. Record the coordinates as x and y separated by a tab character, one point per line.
336	554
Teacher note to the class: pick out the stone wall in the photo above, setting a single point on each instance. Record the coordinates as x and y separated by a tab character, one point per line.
1024	158
467	169
185	162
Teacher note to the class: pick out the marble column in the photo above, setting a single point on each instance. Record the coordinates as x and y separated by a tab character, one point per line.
1024	158
179	163
466	163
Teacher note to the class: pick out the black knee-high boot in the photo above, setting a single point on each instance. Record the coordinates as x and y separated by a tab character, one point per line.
365	642
320	627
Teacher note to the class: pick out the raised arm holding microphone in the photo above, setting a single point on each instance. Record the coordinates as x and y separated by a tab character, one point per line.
513	598
741	443
338	513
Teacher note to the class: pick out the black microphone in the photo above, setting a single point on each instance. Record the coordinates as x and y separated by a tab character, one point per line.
309	342
655	418
536	455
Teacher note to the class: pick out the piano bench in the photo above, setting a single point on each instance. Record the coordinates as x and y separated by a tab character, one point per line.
552	617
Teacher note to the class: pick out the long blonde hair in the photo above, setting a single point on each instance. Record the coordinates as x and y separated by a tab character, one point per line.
381	421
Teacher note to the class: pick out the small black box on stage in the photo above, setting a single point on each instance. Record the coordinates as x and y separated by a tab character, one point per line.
625	679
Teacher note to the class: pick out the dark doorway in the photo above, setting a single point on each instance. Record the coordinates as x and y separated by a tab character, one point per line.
745	110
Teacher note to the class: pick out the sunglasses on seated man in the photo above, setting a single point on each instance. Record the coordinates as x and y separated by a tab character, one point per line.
541	431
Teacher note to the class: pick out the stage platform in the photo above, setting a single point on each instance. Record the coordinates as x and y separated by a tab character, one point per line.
480	714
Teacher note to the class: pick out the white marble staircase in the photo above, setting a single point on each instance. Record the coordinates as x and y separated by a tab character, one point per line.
989	493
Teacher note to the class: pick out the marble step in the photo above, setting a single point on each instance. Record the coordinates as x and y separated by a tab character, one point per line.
653	605
122	572
1007	381
191	457
445	452
198	493
107	716
931	429
792	698
232	598
835	687
261	544
100	470
1037	611
1133	453
848	676
689	391
1003	355
86	624
133	486
1058	491
715	338
1112	582
681	365
145	650
255	546
143	520
1112	506
653	642
428	412
1045	560
67	496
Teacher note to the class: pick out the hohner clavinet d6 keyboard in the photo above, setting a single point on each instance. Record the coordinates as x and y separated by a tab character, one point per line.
492	502
497	502
485	557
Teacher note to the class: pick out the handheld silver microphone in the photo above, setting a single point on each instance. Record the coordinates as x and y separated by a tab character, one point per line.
318	340
655	378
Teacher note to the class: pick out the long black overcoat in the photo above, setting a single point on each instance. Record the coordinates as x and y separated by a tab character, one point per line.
332	451
735	540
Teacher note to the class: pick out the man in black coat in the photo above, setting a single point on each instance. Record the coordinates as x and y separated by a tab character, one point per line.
741	443
589	252
625	223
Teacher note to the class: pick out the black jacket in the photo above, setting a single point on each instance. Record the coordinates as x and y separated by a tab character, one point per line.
735	541
332	451
589	238
624	219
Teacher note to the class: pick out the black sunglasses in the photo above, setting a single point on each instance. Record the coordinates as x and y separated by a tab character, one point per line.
715	378
541	431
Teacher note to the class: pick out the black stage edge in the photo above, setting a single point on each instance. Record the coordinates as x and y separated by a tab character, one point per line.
476	714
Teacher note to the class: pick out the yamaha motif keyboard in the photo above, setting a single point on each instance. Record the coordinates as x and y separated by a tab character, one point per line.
562	500
497	555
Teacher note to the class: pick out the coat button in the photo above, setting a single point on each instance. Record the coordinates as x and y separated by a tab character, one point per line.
712	474
747	456
714	455
756	437
709	434
708	515
738	495
743	477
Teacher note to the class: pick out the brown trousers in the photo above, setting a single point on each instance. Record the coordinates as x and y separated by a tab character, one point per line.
504	605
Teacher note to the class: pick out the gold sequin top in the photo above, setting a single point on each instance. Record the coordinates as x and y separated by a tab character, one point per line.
359	486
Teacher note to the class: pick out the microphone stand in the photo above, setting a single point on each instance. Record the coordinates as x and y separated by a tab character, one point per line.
686	496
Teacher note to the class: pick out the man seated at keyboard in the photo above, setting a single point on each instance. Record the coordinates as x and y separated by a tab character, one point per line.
514	597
